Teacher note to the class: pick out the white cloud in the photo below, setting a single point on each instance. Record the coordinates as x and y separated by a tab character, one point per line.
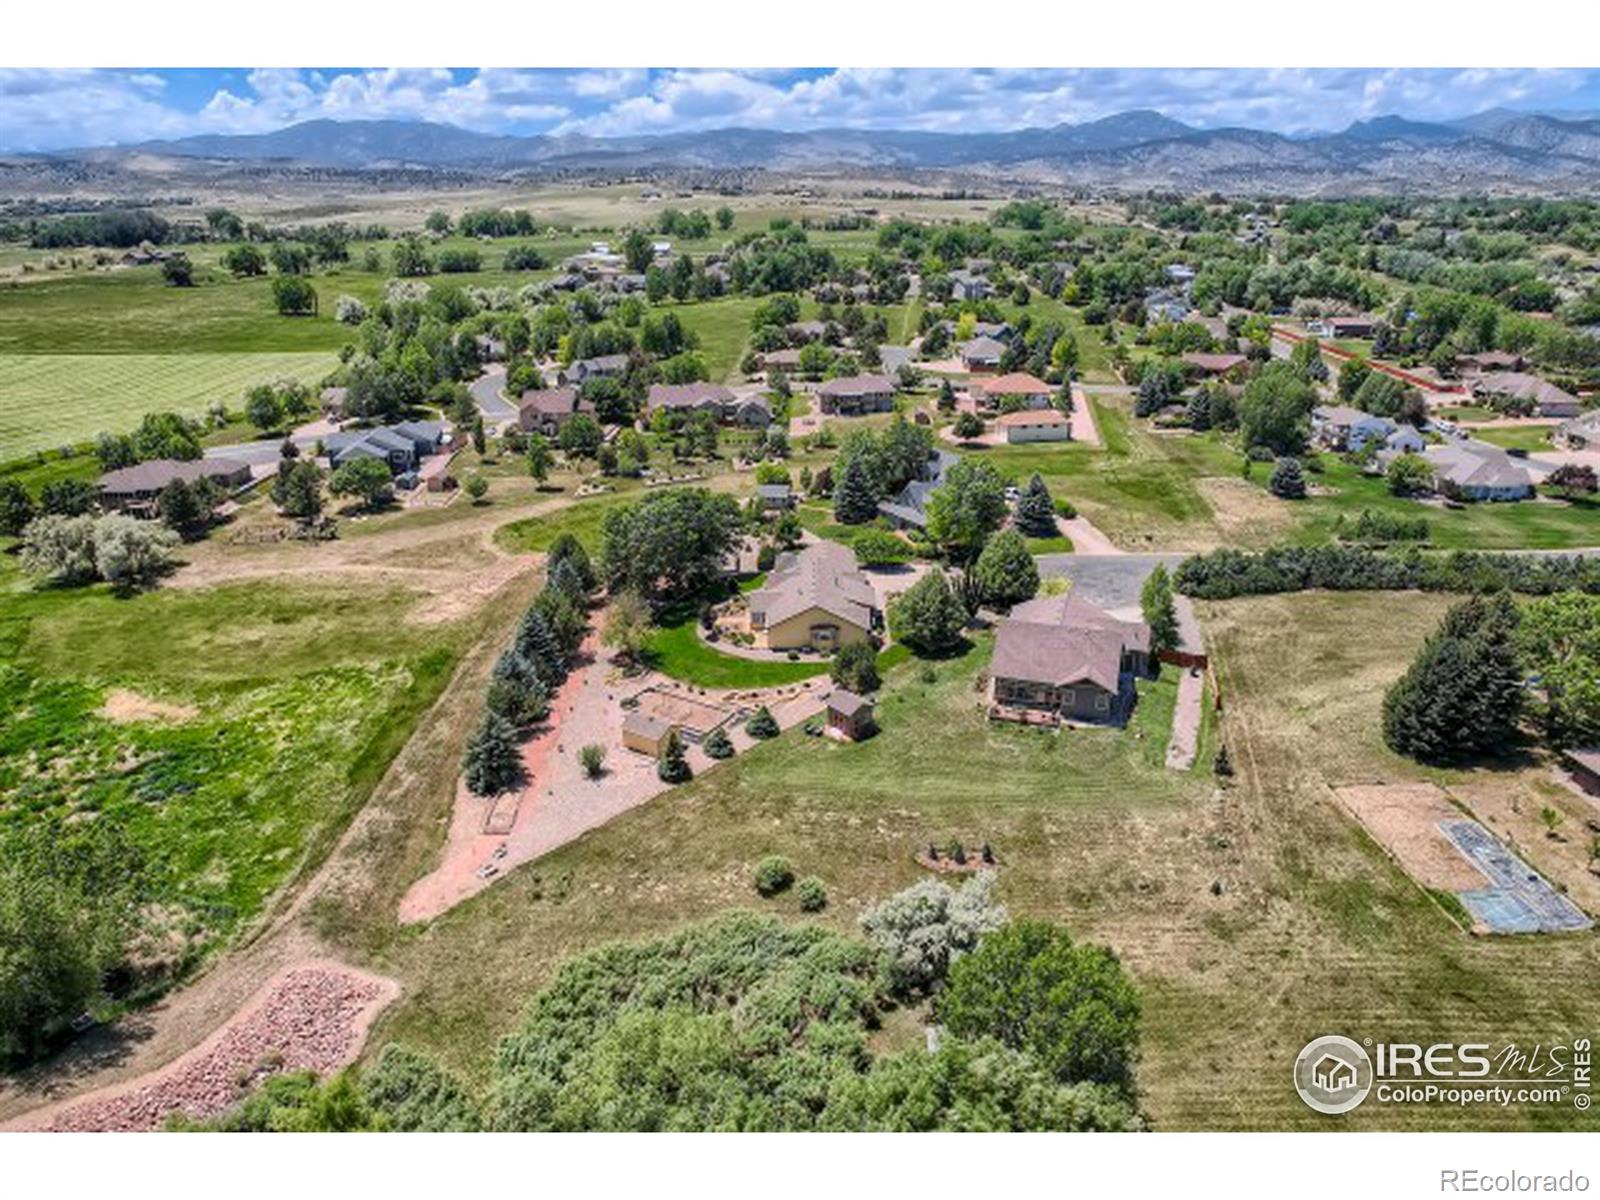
44	109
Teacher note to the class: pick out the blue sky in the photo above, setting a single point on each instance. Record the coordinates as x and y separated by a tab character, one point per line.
45	109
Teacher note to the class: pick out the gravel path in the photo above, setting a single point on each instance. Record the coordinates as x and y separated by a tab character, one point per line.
312	1017
1186	721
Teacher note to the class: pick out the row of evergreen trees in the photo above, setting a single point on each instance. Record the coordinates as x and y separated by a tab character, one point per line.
530	670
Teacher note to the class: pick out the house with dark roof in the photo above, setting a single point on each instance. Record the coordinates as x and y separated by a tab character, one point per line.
853	395
402	446
909	508
814	597
606	366
1059	658
685	398
982	354
969	285
849	716
545	410
133	490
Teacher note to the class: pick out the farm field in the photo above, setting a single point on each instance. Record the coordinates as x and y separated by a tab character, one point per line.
53	400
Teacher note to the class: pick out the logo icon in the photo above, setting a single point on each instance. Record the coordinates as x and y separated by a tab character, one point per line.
1333	1074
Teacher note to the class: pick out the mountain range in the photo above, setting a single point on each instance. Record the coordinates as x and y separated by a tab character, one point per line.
1499	150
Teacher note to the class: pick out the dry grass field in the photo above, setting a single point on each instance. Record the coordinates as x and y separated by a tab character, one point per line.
1315	929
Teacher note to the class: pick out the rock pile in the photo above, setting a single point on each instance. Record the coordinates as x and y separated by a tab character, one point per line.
311	1020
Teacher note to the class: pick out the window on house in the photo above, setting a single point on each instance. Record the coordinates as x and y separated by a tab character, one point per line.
1102	702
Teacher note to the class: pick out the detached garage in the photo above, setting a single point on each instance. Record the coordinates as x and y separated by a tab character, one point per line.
1035	425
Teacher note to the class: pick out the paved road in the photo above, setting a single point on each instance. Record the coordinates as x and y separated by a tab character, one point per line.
1109	581
486	391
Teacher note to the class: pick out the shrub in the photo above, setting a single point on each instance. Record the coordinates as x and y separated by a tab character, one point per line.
929	925
855	668
811	894
928	616
773	874
1071	1006
762	724
593	760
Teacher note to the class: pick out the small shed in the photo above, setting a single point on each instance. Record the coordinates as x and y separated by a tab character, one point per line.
1584	767
849	715
645	734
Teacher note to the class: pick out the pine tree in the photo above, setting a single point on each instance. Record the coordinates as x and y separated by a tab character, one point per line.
672	766
1462	695
568	549
854	500
538	645
1160	610
1288	480
762	724
1035	512
565	578
492	764
717	744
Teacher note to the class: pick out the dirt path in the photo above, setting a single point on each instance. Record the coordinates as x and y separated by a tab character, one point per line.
1085	537
1186	721
1084	428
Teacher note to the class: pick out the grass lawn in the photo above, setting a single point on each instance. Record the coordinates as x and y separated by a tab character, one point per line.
288	702
1140	488
723	326
60	399
1049	803
1517	437
582	518
1528	524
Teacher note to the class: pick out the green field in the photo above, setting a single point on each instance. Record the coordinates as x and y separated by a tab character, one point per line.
253	735
53	400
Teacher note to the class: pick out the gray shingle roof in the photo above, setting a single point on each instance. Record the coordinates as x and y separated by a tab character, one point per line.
822	575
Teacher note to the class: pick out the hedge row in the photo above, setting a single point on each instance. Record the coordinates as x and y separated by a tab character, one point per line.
1223	574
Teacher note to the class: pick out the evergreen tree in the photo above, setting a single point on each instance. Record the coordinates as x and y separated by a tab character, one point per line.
672	766
854	500
762	724
536	643
568	549
519	696
492	764
565	578
1288	480
717	744
1005	573
1462	695
1035	511
1160	610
